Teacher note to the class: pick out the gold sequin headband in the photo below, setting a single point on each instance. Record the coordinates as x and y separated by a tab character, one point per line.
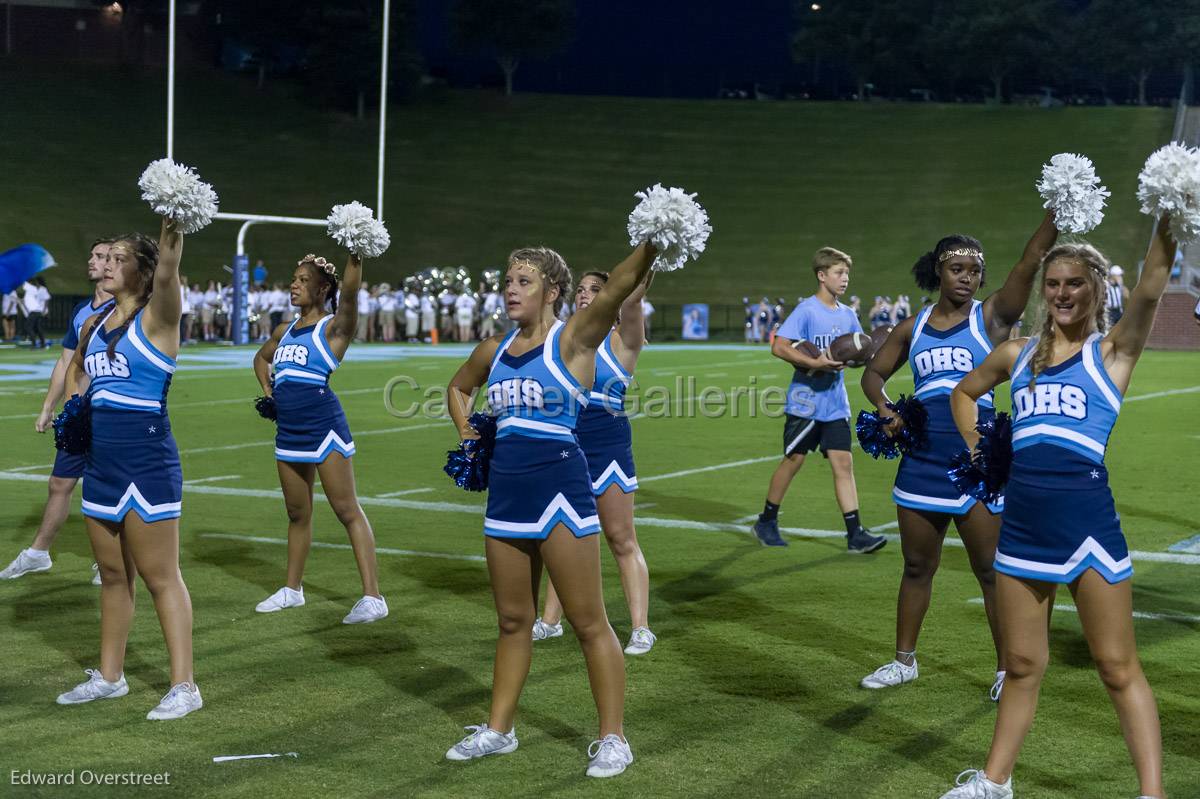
320	263
969	252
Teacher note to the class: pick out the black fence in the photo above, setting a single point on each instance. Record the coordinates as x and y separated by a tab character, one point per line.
726	323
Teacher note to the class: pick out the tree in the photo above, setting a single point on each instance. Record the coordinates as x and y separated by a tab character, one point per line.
998	38
512	30
1137	39
261	27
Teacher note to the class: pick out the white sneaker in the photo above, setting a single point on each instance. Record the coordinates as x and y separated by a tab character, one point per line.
641	641
997	686
367	610
609	756
179	701
283	598
890	674
96	574
542	631
29	561
95	688
978	786
483	741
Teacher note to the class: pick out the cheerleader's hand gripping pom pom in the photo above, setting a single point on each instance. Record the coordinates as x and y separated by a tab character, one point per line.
176	192
1170	184
266	408
873	436
1071	189
468	465
915	434
984	473
355	227
73	426
672	221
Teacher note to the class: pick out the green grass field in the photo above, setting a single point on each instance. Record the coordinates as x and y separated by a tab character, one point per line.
751	690
472	176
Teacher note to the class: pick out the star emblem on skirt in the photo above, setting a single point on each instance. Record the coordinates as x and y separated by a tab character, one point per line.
152	429
566	453
1095	474
320	391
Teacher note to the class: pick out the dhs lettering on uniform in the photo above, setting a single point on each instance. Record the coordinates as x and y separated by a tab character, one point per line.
291	353
98	364
943	359
517	392
1055	399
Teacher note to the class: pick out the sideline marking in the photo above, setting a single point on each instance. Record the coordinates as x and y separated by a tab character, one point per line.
212	479
1137	614
406	491
258	539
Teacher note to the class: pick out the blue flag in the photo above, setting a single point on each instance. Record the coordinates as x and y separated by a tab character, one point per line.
21	263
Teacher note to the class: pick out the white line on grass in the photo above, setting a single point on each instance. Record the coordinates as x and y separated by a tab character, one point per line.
216	479
258	539
405	491
712	468
30	468
1170	393
248	400
227	758
248	444
1137	614
678	369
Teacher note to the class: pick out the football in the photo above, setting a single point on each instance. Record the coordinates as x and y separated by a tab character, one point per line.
809	349
878	336
852	349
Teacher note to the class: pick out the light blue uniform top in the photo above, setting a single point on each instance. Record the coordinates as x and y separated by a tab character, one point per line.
304	354
79	316
941	358
821	396
136	377
608	389
535	394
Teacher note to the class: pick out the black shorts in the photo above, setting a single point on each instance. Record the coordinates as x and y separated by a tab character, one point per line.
801	435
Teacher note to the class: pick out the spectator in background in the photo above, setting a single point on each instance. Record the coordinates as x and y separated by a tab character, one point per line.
364	313
36	301
208	307
446	313
926	302
1116	294
762	318
1177	267
647	312
464	311
856	305
428	316
491	312
8	308
880	314
387	313
279	302
412	315
901	310
185	313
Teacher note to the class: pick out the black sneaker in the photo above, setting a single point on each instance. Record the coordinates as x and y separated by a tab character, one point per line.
862	542
768	533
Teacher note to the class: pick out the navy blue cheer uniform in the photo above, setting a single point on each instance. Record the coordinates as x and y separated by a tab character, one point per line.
66	464
310	423
603	429
1060	519
132	463
939	359
538	476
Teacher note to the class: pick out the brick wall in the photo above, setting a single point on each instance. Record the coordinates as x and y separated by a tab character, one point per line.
1175	326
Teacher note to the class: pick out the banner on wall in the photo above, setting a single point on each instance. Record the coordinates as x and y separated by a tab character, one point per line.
695	322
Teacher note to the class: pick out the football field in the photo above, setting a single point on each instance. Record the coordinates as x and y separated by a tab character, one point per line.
752	689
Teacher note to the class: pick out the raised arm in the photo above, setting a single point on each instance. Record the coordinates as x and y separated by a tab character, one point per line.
264	357
1002	310
161	319
463	386
345	320
886	362
587	328
631	326
1128	336
995	369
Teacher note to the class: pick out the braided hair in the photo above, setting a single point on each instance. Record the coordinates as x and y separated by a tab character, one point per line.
1097	272
928	269
145	254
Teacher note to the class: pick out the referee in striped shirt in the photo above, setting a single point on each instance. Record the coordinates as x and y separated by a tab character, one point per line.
1117	294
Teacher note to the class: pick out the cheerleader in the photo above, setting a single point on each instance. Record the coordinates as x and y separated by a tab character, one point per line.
312	437
1060	525
540	506
605	436
941	344
132	481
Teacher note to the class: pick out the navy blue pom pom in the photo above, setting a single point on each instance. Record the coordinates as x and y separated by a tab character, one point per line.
873	437
73	427
468	465
914	435
266	408
984	473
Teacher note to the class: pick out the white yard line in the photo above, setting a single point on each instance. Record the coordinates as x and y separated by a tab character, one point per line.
258	539
712	468
405	492
1137	614
216	479
1170	393
31	468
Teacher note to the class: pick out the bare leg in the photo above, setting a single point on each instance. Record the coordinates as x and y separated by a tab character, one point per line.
515	568
574	564
843	479
921	537
782	478
337	481
155	549
1106	613
980	532
117	574
58	507
554	610
1023	607
296	479
616	519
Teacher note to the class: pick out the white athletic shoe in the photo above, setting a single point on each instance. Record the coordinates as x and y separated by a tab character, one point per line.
95	688
283	598
96	574
483	741
28	562
609	756
367	610
890	675
641	641
542	631
179	701
972	784
997	686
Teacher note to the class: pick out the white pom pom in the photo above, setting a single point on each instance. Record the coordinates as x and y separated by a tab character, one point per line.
1070	187
176	191
673	222
1170	184
355	227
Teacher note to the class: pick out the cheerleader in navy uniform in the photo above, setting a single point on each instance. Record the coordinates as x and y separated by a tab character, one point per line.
540	507
605	436
1060	525
941	344
293	367
132	481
